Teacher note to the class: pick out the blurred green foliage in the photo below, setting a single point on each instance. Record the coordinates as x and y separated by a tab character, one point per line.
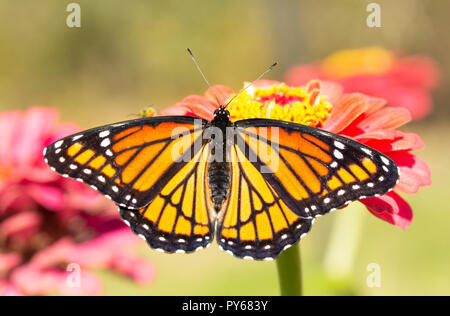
131	54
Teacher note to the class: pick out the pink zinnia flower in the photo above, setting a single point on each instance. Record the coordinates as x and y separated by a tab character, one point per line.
49	223
323	105
404	82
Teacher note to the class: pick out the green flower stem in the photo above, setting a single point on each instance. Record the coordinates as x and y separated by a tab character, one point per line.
289	272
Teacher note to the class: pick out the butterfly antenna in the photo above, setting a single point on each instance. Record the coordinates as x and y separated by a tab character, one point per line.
204	77
251	83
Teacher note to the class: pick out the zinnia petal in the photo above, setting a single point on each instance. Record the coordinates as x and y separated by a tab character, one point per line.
193	105
89	284
391	208
132	266
391	140
414	172
49	196
374	104
417	101
345	112
37	124
61	131
22	223
34	281
8	262
53	255
301	74
9	289
332	91
419	71
8	124
100	252
386	118
222	92
176	109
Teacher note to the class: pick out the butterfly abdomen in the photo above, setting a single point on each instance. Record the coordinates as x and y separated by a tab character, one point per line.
219	182
219	170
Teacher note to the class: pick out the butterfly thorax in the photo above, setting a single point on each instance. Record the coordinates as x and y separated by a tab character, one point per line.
221	119
219	167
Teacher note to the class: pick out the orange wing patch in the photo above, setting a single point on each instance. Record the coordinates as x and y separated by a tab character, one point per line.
98	162
334	183
345	176
144	166
84	157
358	172
369	165
74	149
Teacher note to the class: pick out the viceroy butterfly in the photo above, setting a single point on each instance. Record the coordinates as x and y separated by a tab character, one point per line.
175	197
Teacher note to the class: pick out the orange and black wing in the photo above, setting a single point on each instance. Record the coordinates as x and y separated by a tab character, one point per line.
255	223
129	162
178	219
314	171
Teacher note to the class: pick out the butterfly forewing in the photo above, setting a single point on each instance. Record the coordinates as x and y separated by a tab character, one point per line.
129	162
314	171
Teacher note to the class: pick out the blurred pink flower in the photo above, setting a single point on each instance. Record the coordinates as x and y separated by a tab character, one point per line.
49	223
404	82
322	104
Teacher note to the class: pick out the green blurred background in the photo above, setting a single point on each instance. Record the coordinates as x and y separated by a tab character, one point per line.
131	54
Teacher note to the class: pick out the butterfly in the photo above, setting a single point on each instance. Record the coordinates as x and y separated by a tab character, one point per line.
256	184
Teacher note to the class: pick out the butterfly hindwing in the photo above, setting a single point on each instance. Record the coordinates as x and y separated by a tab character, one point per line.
314	171
178	219
128	162
254	222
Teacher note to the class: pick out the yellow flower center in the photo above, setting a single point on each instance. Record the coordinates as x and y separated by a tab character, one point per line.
302	105
363	61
